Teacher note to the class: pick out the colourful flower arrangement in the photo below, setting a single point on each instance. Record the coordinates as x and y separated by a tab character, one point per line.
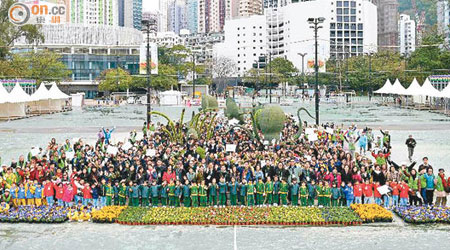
372	213
107	214
423	214
80	213
33	214
238	216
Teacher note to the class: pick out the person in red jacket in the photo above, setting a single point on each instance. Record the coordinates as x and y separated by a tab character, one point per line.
358	192
376	193
404	194
49	192
87	194
59	193
395	192
368	192
169	175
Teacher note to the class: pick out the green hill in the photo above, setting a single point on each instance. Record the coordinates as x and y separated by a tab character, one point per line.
426	6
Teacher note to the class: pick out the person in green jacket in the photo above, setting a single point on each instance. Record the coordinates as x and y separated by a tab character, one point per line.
178	193
269	191
243	192
133	195
154	190
326	192
335	195
294	189
122	193
194	194
222	192
276	190
441	195
233	188
109	193
186	194
413	183
202	192
212	191
260	192
320	194
163	194
145	194
116	189
171	190
250	193
284	188
312	192
304	194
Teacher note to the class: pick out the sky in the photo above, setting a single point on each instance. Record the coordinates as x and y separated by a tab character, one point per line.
150	5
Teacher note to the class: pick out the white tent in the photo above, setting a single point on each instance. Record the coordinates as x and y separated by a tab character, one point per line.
18	95
414	89
8	107
170	97
386	89
57	98
429	90
397	88
445	92
41	101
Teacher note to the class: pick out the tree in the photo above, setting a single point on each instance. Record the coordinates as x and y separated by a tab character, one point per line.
114	80
283	70
428	56
165	79
40	66
223	67
10	32
256	78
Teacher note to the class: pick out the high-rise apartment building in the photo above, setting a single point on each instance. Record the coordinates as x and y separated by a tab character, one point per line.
192	16
96	12
137	14
443	19
407	35
387	24
250	8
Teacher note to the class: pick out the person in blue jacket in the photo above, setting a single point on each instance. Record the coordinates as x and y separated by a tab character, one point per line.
348	191
107	134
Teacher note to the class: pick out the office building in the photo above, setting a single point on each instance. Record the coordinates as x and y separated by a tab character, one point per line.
407	35
387	12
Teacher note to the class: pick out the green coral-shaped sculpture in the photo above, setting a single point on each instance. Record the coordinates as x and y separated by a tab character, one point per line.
209	102
232	111
271	121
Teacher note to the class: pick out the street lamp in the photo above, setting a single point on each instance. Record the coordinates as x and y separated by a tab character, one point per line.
148	26
315	25
303	69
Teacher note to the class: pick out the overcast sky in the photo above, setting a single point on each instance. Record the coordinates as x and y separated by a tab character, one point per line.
150	5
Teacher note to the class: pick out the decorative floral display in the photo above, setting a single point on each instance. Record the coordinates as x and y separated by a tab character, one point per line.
239	216
372	213
32	214
424	214
107	214
80	214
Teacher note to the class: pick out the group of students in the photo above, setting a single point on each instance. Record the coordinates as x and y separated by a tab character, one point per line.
324	172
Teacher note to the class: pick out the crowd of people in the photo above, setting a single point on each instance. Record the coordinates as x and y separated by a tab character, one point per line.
321	170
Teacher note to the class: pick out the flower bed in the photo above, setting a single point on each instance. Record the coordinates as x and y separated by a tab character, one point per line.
341	215
80	214
107	214
31	214
424	214
238	216
372	213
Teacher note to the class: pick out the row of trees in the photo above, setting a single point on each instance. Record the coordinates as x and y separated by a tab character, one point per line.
364	72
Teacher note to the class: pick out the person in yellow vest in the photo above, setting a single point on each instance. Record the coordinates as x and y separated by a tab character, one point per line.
4	207
38	194
29	191
13	190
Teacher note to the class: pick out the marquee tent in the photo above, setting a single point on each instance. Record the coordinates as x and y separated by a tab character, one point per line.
386	89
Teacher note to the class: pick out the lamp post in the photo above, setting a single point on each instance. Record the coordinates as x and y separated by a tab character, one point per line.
149	27
303	69
193	76
315	25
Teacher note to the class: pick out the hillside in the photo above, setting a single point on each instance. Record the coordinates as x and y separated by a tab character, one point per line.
426	6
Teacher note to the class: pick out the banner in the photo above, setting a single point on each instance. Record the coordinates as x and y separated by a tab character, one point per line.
153	59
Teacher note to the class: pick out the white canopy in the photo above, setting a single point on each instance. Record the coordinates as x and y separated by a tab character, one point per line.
41	93
428	89
386	89
55	93
414	88
397	88
445	92
4	95
18	95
